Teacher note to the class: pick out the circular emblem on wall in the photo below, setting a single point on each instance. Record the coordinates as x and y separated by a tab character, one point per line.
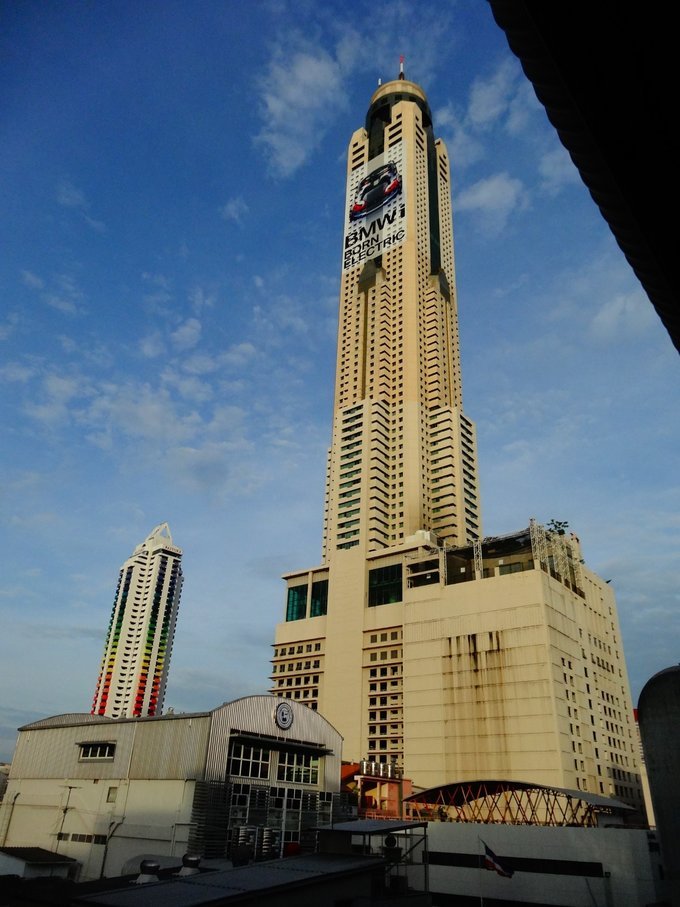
283	716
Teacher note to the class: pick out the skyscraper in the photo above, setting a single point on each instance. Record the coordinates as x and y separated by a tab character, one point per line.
134	670
457	657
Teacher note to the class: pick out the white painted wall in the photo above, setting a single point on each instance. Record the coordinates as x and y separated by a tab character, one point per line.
624	853
156	819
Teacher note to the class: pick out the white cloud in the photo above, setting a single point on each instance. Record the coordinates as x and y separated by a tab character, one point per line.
62	294
160	293
59	393
157	280
498	100
187	335
49	414
188	386
490	98
7	329
523	105
463	147
557	170
201	300
624	316
32	280
70	196
152	346
239	355
227	421
33	520
16	372
140	412
235	209
287	315
304	86
68	344
214	469
63	389
200	364
97	225
296	95
60	303
493	200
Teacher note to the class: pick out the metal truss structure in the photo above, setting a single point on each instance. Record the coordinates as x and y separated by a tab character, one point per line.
511	803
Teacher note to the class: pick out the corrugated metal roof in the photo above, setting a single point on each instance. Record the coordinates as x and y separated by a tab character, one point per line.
66	720
215	887
373	826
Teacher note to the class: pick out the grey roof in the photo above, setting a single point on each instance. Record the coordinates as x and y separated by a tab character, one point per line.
240	882
373	826
73	719
65	720
36	855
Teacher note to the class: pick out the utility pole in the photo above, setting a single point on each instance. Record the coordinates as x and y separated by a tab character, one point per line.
64	811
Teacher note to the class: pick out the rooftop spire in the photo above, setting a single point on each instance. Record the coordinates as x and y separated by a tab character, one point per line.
401	67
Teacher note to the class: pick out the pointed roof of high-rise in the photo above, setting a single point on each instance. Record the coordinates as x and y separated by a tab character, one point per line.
159	534
395	90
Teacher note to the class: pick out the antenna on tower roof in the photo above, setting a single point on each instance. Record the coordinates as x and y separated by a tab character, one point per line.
401	67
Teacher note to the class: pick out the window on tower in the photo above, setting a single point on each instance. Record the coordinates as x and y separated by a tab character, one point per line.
296	607
385	585
319	603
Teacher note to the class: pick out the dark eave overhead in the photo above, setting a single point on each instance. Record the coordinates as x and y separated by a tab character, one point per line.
606	75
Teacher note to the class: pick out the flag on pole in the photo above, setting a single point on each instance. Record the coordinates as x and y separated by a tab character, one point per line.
491	861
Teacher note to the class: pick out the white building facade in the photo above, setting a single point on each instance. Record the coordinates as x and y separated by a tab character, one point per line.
141	631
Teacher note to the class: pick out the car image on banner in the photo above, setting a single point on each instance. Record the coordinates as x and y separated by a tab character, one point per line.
376	206
375	190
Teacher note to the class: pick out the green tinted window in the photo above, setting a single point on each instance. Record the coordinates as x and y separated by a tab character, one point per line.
319	603
384	585
296	608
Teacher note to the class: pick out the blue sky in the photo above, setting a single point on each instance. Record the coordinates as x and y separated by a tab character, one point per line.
172	192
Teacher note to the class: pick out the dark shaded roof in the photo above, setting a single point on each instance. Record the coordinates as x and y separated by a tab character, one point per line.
458	793
605	74
244	883
373	826
36	855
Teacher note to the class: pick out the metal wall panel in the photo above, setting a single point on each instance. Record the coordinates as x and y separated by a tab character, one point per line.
256	715
53	751
171	748
192	746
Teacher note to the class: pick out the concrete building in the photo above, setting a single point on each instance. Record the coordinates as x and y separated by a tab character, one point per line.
136	660
251	778
569	867
428	646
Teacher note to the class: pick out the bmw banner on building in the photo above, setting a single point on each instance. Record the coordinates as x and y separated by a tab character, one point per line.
375	215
